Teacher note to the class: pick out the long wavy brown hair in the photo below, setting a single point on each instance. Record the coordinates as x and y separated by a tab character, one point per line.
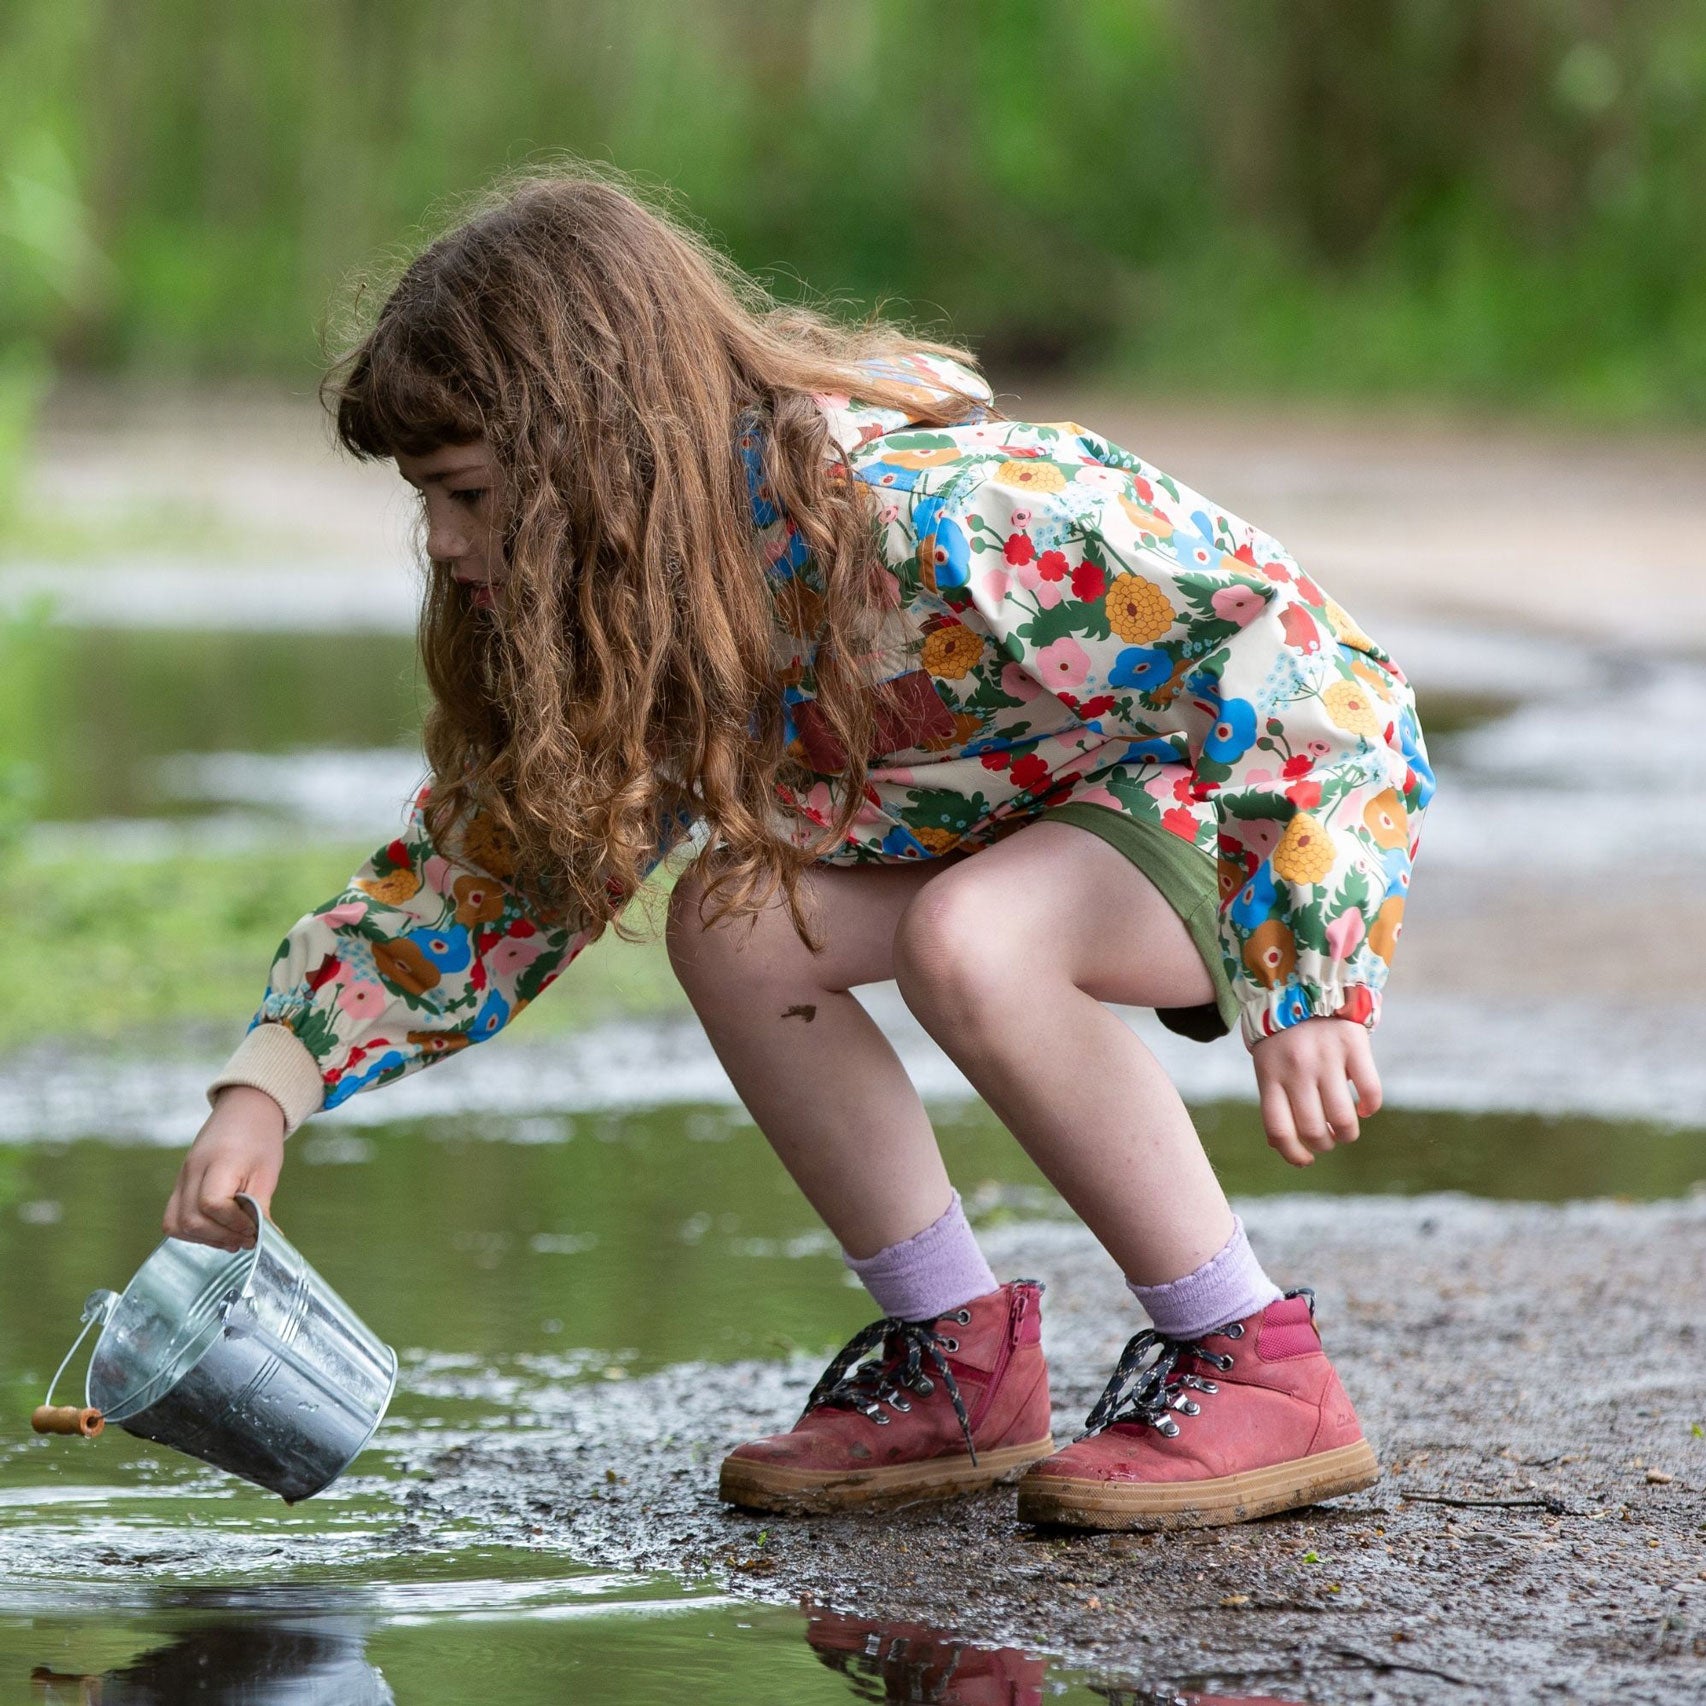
624	680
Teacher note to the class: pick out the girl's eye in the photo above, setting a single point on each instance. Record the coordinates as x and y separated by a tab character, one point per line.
471	496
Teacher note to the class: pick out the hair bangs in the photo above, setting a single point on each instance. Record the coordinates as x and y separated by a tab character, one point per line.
397	394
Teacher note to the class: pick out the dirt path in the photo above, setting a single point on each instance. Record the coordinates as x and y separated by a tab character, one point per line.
1533	1378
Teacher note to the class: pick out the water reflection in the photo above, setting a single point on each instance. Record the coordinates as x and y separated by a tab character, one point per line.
913	1664
311	1663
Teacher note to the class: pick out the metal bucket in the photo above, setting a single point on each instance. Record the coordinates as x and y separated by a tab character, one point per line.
247	1360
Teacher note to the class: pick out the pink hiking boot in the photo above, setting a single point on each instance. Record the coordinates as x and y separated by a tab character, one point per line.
911	1410
1247	1420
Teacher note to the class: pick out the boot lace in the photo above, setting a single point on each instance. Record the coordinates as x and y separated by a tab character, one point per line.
1148	1387
898	1351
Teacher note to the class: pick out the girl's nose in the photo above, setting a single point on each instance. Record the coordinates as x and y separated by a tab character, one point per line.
446	542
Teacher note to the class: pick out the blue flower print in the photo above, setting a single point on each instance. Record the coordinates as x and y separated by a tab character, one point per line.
1292	1008
389	1062
449	950
1142	667
1254	903
1397	863
891	477
1160	750
902	843
1194	546
1233	731
492	1017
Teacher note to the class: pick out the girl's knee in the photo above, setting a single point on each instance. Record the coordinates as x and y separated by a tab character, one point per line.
724	950
957	947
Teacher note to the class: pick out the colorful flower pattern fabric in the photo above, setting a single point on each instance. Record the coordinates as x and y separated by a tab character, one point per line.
1069	623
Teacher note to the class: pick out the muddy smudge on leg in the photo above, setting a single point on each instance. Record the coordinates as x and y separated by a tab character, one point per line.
806	1011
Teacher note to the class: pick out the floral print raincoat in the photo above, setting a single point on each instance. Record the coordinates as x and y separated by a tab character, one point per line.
1069	624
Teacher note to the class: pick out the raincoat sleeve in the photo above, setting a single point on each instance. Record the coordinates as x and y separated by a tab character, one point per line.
1199	640
427	951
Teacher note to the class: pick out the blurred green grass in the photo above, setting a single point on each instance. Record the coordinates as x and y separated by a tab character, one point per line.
1498	205
175	949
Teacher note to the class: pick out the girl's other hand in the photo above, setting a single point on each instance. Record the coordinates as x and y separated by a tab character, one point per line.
1304	1076
240	1148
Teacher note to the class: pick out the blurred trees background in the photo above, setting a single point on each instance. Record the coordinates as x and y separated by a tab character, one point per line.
1493	200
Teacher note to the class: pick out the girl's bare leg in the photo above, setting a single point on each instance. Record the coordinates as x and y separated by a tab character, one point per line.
810	1064
1006	959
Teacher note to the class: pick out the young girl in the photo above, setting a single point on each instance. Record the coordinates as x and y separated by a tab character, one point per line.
902	689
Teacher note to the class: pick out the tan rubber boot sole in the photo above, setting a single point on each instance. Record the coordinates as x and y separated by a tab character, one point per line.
775	1487
1199	1504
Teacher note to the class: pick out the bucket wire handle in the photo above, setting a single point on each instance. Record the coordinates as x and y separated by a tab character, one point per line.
51	1418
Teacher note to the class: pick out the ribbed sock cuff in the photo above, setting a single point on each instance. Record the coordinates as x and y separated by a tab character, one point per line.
930	1274
1227	1287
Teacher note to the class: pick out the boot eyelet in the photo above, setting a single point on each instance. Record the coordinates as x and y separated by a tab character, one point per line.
1169	1429
1236	1330
1209	1386
1190	1407
963	1316
882	1421
901	1405
926	1386
950	1345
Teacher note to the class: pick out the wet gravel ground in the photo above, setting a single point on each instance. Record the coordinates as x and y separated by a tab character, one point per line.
1534	1378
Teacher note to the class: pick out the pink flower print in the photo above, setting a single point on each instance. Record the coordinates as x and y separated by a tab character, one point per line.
831	399
1240	604
1063	663
1160	786
1021	517
440	878
1028	575
1098	797
1320	748
1254	776
513	955
996	584
362	1000
1344	933
1048	594
1261	835
345	912
1016	684
888	513
1103	478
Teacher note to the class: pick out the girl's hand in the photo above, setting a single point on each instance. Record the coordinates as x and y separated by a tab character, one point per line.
1301	1074
240	1148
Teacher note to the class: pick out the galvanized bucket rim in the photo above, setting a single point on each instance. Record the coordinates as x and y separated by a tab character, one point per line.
244	1262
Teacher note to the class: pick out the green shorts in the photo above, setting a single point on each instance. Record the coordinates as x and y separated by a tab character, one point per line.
1186	877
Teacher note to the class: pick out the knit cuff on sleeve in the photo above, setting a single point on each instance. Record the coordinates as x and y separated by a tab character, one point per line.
270	1059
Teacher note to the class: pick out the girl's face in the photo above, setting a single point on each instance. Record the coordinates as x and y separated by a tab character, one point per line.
458	485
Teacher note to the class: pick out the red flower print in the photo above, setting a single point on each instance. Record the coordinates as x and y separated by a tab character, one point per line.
477	975
1301	634
323	973
997	760
1358	1006
1029	771
1089	583
1311	591
1246	554
1306	796
521	927
1184	788
397	853
1144	490
1182	823
1019	549
1052	565
1276	571
1095	706
1295	766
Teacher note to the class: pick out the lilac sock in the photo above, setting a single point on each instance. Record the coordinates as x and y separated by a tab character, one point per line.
927	1275
1226	1288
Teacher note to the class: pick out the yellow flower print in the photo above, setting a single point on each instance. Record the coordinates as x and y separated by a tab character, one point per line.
1344	625
1271	953
1372	677
951	650
1305	852
1138	610
1351	707
937	840
478	900
1388	922
1386	820
967	724
394	888
489	847
1146	520
922	458
403	964
1030	472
